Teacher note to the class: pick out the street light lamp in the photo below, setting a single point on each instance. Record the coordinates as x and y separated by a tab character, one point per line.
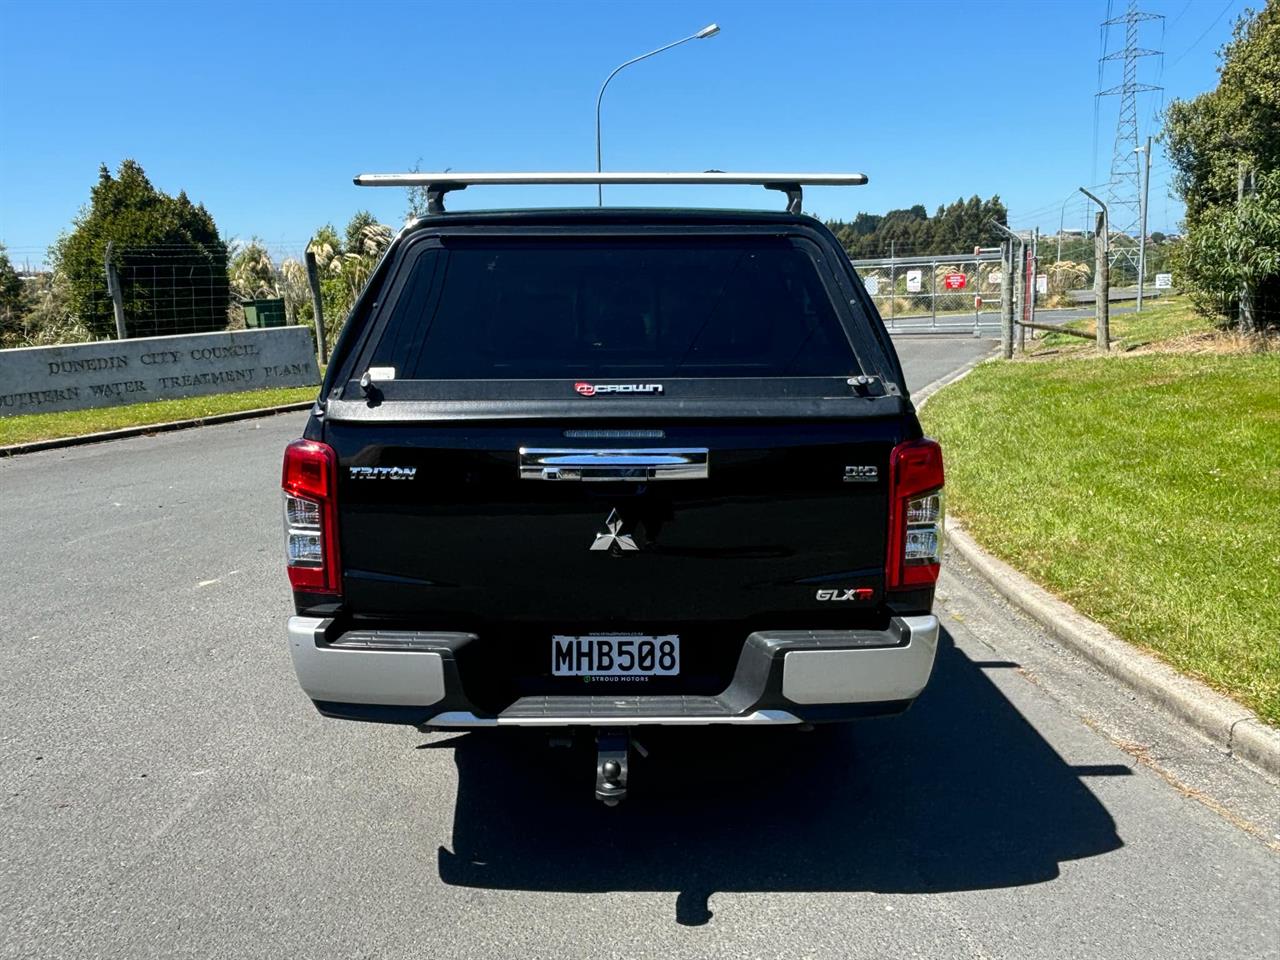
710	30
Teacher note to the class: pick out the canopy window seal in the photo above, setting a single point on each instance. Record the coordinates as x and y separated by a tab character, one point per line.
438	184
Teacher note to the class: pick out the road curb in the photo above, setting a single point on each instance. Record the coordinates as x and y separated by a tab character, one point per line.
17	449
1230	726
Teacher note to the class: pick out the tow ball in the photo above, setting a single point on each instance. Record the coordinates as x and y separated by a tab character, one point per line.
612	748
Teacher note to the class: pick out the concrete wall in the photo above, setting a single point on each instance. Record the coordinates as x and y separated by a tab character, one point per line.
116	372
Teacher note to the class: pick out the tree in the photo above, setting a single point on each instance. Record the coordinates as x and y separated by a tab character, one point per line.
417	196
172	263
1234	248
361	220
345	264
35	311
1214	140
46	318
12	304
296	290
956	228
325	244
252	273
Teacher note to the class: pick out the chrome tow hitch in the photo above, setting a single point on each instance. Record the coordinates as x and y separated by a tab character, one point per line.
612	748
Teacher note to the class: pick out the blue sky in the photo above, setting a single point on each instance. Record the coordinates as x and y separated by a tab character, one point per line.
265	111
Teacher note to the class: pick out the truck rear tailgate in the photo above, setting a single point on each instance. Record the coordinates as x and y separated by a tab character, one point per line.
451	534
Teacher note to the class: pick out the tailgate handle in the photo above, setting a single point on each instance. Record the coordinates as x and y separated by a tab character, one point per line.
680	463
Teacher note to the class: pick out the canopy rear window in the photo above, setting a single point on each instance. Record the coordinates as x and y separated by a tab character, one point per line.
607	307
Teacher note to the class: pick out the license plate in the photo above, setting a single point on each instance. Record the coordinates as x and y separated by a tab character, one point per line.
615	655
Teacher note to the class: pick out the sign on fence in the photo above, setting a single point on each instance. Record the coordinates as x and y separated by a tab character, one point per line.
115	372
955	281
872	284
1042	283
1164	281
914	281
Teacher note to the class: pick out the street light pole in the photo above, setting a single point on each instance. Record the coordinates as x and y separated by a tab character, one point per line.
1142	236
710	30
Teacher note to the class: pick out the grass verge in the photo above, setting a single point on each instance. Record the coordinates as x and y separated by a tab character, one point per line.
1161	320
1142	489
28	428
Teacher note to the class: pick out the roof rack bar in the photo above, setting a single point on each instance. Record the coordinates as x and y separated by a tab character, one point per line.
438	184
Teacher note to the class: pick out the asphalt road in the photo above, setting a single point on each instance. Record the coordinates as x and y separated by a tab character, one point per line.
928	358
960	325
168	792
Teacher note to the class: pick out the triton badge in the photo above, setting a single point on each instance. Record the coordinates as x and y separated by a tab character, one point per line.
595	389
612	538
383	473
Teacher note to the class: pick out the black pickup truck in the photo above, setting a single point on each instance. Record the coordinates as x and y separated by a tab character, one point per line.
607	468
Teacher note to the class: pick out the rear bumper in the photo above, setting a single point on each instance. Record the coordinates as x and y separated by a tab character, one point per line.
782	676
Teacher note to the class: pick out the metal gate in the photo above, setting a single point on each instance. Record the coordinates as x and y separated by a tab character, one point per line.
944	293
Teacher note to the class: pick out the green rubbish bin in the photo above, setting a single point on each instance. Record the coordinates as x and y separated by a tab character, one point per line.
263	313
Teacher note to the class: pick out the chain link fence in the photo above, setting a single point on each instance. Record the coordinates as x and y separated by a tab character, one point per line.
935	291
135	291
171	291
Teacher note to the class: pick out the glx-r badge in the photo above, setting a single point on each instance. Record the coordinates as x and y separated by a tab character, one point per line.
856	593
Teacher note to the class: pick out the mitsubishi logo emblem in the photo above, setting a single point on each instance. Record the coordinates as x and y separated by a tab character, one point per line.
612	538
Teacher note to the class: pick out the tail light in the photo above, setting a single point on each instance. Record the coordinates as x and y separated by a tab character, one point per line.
311	517
915	515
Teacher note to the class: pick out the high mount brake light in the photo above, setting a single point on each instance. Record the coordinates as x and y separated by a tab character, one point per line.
916	510
310	482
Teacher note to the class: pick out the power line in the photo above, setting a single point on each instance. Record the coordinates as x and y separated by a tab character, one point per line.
1200	38
1185	7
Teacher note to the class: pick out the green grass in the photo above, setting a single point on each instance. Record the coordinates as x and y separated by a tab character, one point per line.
1142	489
1159	320
49	426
